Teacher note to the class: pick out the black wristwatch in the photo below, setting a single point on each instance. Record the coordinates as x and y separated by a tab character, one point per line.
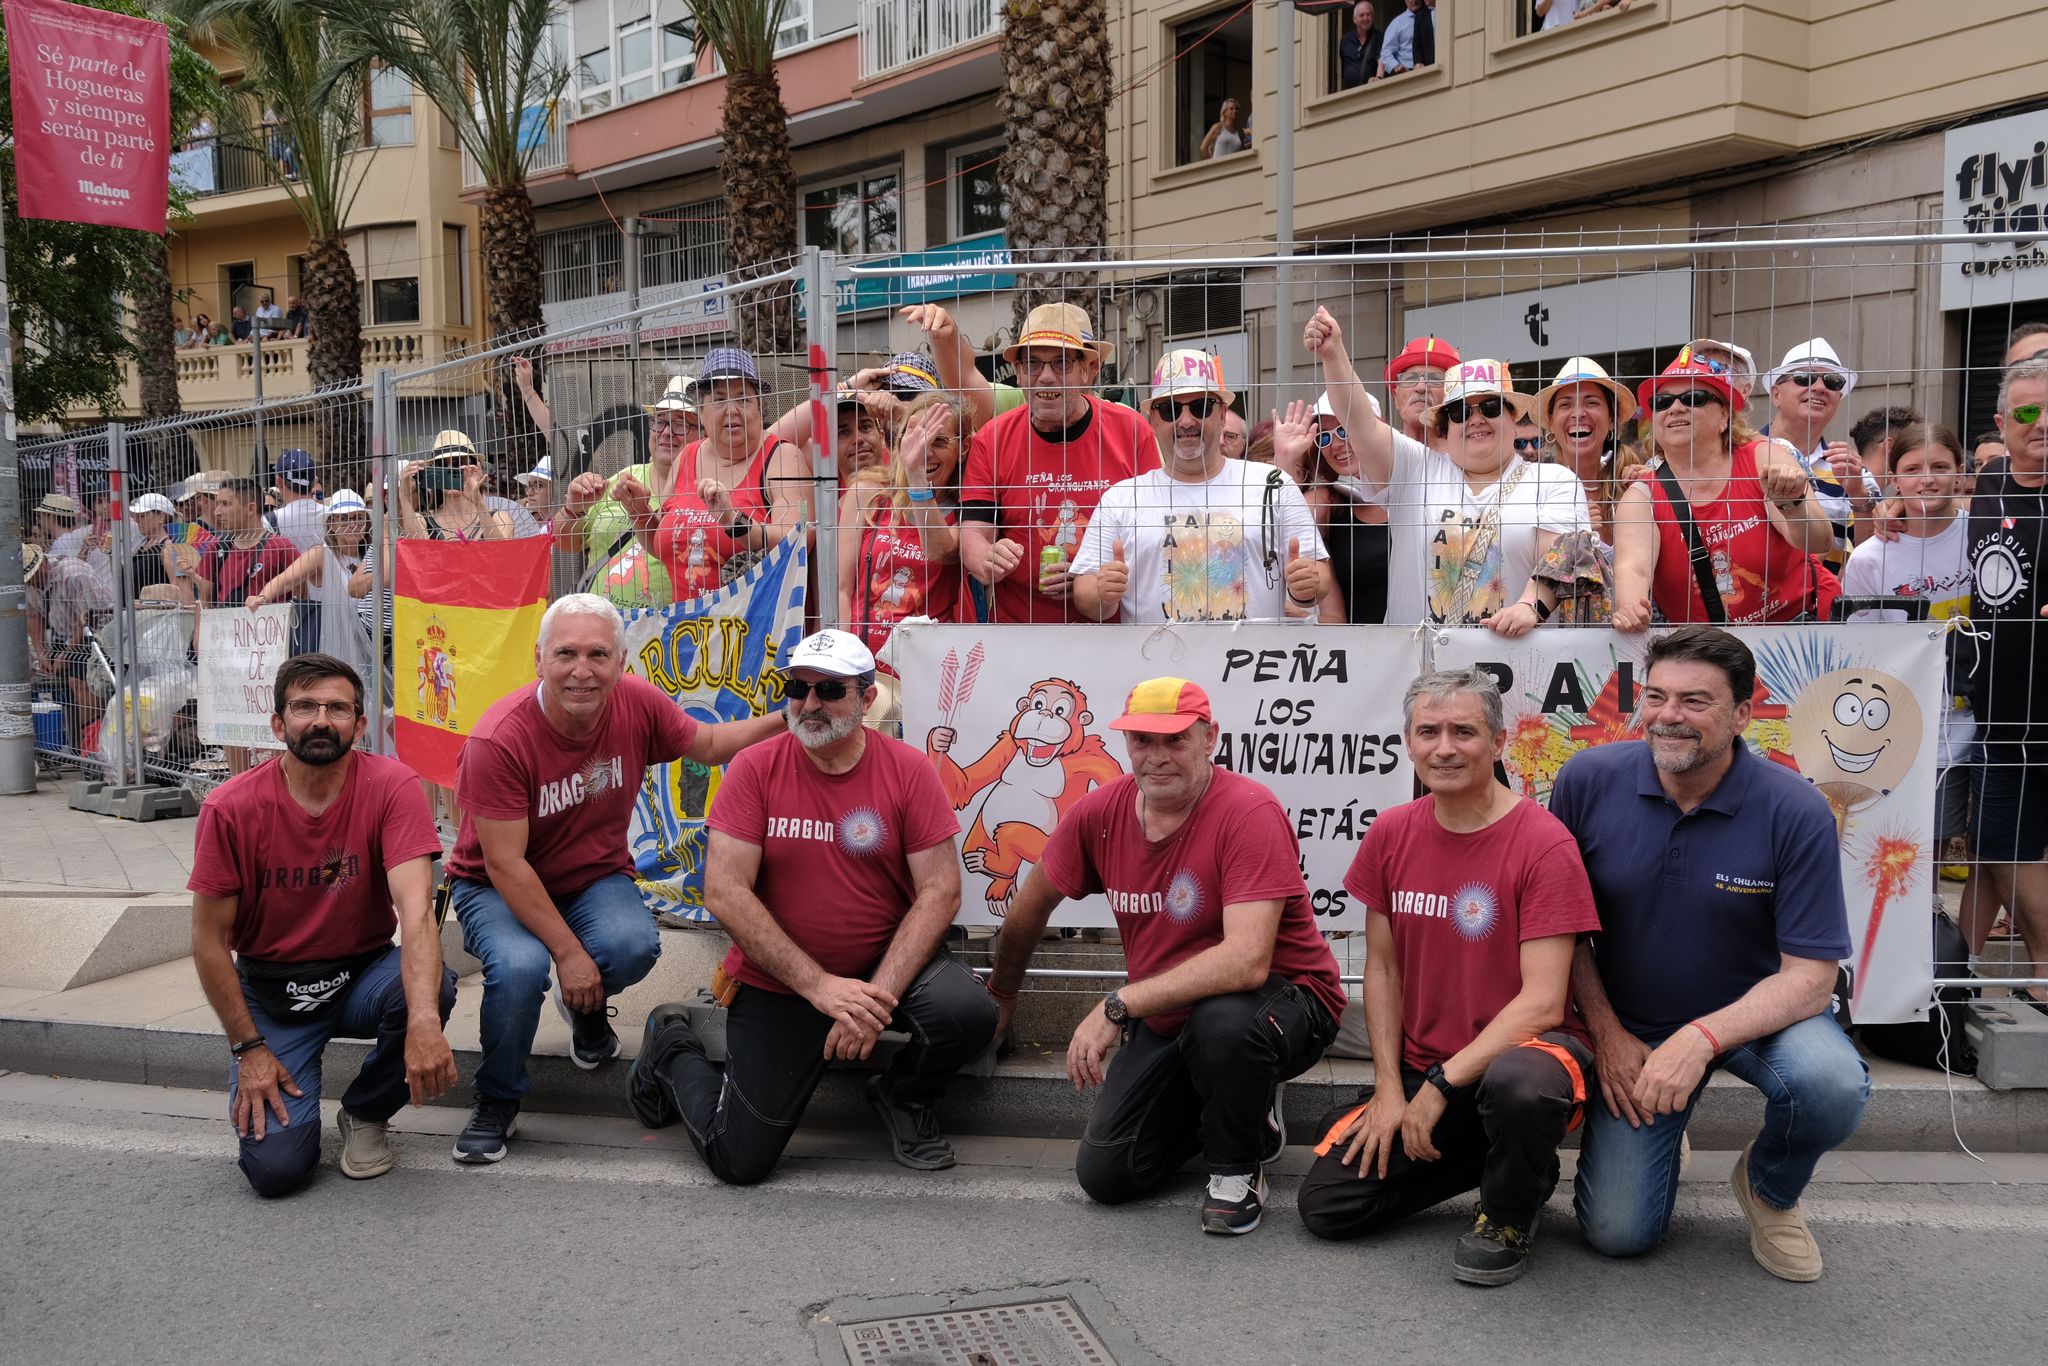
1114	1010
1435	1077
247	1046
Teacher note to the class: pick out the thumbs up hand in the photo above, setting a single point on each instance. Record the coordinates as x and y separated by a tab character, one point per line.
1113	580
1304	581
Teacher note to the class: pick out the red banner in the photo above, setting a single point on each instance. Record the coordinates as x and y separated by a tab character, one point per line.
92	114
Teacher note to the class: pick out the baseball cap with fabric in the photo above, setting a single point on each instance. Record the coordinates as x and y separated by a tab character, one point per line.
831	652
1189	373
1164	706
295	467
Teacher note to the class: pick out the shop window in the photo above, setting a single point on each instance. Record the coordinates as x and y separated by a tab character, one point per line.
857	217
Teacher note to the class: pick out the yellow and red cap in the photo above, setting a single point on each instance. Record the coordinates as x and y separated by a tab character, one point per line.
1164	706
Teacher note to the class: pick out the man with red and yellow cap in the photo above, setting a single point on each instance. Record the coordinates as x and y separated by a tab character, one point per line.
1035	474
1231	989
1415	382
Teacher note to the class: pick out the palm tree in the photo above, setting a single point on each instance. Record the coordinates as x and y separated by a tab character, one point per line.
1057	86
759	180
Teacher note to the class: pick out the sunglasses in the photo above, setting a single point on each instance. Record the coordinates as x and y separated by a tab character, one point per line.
1691	398
1170	409
1528	445
831	690
1324	440
1460	410
1806	379
2026	414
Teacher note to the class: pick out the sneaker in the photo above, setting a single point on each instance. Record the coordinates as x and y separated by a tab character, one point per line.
365	1147
667	1029
913	1131
1492	1253
1235	1203
1778	1238
592	1041
491	1122
1276	1127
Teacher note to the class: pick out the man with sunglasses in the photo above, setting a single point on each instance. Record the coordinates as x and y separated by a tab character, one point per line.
1202	538
541	876
833	866
1806	391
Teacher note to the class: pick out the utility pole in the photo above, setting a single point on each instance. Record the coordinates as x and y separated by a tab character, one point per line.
17	719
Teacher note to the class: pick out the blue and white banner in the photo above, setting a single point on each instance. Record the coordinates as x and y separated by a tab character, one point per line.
713	654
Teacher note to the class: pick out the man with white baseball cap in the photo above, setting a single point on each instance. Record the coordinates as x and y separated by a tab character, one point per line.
1202	538
1807	389
816	978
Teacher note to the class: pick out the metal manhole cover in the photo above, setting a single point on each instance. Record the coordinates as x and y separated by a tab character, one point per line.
1034	1333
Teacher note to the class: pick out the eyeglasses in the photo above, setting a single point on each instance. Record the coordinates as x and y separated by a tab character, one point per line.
1059	364
1170	409
2026	414
1325	440
1806	379
1528	445
1462	410
305	709
1418	379
672	421
831	690
1691	398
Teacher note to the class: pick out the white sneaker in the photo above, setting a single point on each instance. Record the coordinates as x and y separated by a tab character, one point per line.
1235	1203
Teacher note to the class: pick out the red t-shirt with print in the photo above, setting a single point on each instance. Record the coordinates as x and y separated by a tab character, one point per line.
895	579
1168	895
1043	492
309	888
835	847
576	796
1460	906
692	544
1758	574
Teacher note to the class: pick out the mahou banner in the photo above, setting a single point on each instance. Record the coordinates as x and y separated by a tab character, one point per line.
92	114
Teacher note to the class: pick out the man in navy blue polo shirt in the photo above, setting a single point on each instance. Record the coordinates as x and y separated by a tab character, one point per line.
1719	886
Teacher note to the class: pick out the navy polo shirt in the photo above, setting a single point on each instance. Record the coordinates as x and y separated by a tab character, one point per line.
1696	907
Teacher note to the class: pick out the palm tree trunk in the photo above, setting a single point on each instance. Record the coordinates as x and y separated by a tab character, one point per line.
760	188
334	357
156	345
1057	85
512	291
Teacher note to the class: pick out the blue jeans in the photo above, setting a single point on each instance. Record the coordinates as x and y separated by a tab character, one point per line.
283	1159
608	918
1815	1087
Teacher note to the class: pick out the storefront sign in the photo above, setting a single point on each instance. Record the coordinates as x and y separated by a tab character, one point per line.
1995	184
1598	318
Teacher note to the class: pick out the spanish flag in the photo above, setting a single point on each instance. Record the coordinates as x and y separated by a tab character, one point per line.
466	618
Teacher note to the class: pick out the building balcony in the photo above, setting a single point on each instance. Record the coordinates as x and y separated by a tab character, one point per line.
544	129
895	34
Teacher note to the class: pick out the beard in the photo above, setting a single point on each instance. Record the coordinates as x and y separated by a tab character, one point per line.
818	730
317	746
1699	758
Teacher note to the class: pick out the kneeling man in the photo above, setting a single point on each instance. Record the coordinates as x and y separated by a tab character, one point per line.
833	867
1474	899
1232	990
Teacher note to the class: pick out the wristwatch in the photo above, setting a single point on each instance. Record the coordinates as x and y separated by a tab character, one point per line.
1114	1010
1435	1077
247	1046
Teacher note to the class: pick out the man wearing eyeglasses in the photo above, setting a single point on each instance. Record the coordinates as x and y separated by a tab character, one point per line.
541	877
832	865
1806	391
1034	475
1415	381
301	870
1202	538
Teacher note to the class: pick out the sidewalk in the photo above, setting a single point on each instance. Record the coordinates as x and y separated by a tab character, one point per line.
47	849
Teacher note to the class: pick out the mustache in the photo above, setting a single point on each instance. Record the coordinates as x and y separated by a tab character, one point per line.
1674	732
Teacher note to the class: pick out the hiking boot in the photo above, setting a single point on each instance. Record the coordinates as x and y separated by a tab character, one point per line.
491	1122
1778	1238
365	1146
1276	1128
1235	1203
592	1041
1492	1254
914	1135
667	1029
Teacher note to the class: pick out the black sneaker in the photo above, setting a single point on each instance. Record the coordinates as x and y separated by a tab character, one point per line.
592	1041
1235	1203
1276	1127
491	1122
913	1130
667	1029
1492	1254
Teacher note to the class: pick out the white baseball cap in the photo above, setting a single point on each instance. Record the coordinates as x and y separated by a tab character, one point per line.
153	502
544	472
1325	409
832	652
342	502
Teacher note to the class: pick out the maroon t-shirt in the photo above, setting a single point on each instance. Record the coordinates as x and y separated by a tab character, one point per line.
240	572
1168	895
309	888
835	847
576	796
1460	906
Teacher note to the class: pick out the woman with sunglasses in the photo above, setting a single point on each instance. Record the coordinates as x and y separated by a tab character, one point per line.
1749	507
1314	448
1579	411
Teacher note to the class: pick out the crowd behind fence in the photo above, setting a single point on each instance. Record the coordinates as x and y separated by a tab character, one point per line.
1523	478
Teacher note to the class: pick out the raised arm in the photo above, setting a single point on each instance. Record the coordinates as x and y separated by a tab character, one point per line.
1371	439
953	357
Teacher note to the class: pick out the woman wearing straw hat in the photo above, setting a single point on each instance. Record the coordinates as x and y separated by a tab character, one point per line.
441	495
1579	411
596	524
334	580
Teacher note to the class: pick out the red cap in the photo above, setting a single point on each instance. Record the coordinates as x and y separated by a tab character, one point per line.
1423	351
1690	372
1163	706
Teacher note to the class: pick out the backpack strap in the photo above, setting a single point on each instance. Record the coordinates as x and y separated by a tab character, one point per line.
1696	548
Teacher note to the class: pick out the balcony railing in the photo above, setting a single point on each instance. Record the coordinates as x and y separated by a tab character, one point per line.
545	130
900	33
213	166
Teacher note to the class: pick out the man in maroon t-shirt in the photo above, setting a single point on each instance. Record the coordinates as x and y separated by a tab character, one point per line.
833	867
296	869
1475	899
540	874
1232	989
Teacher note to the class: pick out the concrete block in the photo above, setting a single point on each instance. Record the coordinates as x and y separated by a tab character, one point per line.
58	944
145	803
2011	1040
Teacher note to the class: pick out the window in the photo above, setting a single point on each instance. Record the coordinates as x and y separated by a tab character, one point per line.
636	60
678	54
454	275
855	218
796	26
387	262
977	199
594	81
1365	66
1204	303
1212	77
683	244
579	262
387	109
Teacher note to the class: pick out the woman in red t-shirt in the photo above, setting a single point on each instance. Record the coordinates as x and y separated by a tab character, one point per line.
737	492
1758	521
901	554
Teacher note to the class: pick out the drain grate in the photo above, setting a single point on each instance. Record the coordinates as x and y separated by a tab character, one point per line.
1034	1333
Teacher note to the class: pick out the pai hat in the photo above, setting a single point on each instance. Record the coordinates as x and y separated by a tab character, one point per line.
677	397
1691	372
543	473
1324	408
1470	379
1423	351
295	467
1740	362
724	362
31	560
153	502
1812	355
1187	373
449	444
342	502
59	505
1062	325
1585	370
909	373
1163	706
832	652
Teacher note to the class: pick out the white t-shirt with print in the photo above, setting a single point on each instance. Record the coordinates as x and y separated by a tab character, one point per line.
1200	552
1433	516
1936	568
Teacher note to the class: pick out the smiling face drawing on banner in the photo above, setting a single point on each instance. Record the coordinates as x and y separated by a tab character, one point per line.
1855	733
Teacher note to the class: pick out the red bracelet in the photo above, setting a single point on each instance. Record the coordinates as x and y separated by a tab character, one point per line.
1003	997
1709	1035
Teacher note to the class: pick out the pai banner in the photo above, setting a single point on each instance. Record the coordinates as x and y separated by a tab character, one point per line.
239	651
713	654
1016	721
466	620
1853	709
92	114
